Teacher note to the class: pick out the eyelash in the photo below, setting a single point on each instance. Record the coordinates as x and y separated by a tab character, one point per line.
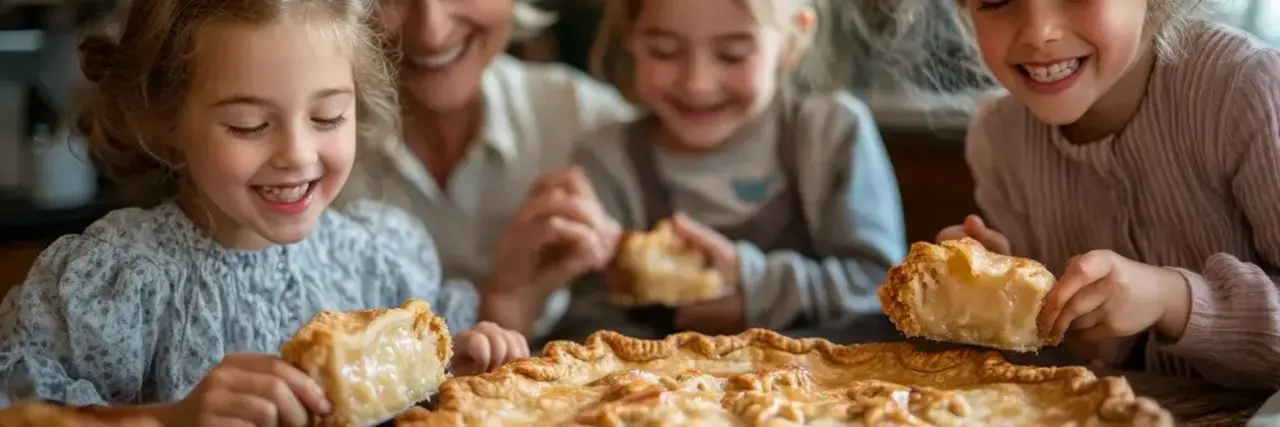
728	58
990	5
257	131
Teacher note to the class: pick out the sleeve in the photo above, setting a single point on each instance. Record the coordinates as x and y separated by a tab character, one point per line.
859	236
411	266
1233	332
82	328
1000	209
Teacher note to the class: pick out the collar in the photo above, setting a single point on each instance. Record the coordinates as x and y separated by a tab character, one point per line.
497	131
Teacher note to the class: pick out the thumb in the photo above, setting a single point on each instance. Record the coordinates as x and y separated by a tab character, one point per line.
698	235
975	226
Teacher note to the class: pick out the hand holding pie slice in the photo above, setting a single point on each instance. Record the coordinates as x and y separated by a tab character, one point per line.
665	270
957	291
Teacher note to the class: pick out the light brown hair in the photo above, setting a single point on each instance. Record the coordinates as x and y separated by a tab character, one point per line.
140	77
820	68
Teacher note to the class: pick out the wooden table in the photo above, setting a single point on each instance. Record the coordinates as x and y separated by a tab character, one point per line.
1192	402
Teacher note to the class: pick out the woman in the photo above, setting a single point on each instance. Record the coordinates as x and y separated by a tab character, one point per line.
480	128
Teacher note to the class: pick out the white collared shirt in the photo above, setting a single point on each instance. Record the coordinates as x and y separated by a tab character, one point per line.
535	114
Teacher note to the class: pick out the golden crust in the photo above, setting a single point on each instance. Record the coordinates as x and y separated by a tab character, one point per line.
38	414
373	364
664	270
958	291
762	378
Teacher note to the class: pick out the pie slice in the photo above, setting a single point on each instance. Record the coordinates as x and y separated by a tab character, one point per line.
957	291
665	271
372	364
761	378
41	414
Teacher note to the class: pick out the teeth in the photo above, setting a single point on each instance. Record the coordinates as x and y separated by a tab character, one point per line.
442	59
284	194
1053	72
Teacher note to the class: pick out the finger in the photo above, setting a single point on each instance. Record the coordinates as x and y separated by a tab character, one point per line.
276	391
572	180
701	237
975	227
301	386
1088	320
554	203
477	351
955	232
521	346
552	180
250	408
587	252
498	350
1086	270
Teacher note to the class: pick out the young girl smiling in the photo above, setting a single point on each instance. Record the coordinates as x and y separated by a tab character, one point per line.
236	123
1136	155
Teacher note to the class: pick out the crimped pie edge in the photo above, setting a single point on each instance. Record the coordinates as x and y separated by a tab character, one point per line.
1119	405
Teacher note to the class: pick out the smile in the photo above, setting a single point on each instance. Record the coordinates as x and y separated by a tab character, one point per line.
1052	73
444	58
289	198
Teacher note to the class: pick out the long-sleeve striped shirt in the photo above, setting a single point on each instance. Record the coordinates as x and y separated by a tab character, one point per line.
1193	183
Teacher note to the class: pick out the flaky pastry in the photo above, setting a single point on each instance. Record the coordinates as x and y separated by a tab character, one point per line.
372	364
957	291
761	378
40	414
665	270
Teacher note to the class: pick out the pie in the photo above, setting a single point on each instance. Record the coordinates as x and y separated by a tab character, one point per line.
372	364
957	291
41	414
761	378
664	270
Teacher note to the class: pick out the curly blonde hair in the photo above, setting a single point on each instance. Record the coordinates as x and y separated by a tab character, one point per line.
140	76
821	67
929	45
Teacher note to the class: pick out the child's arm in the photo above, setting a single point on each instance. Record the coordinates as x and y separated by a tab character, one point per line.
409	267
1000	209
83	327
858	232
1232	330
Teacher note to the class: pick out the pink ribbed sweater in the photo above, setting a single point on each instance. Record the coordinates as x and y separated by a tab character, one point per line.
1193	182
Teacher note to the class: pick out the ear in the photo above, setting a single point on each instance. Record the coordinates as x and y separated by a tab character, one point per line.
805	26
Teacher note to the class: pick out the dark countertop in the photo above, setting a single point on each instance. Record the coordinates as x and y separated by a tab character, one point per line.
21	220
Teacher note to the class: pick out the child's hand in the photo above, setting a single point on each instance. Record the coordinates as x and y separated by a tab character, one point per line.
718	249
1103	295
976	229
486	347
724	316
252	390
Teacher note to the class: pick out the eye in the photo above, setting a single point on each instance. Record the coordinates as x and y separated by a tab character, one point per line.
992	4
664	49
735	53
329	123
247	132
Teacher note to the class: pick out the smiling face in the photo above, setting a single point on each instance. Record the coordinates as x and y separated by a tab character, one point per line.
705	67
446	46
1061	56
269	132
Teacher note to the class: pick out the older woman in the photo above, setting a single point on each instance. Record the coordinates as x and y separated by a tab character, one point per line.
480	128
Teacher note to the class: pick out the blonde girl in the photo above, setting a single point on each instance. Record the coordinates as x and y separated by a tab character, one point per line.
234	123
1136	154
783	184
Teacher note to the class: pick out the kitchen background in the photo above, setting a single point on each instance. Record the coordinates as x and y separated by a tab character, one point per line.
47	188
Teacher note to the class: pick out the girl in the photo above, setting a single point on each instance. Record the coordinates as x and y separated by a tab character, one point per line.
791	195
479	128
236	123
1136	154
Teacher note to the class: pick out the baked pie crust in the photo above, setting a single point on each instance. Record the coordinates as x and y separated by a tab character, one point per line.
957	291
40	414
761	378
665	270
372	364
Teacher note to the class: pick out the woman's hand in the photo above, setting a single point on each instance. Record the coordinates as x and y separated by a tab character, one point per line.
486	347
251	390
1103	296
973	227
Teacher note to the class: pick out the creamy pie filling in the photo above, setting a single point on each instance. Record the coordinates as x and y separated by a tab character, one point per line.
394	371
981	309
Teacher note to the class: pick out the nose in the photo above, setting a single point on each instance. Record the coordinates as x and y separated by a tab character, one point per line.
701	77
1042	23
430	22
295	149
